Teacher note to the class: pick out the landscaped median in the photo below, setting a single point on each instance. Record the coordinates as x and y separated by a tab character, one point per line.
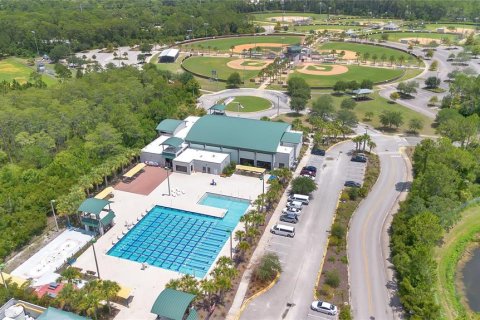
332	284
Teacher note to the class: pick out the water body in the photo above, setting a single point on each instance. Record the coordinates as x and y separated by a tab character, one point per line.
471	279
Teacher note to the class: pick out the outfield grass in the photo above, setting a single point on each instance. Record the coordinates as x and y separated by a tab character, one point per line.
447	256
16	68
377	106
396	36
410	73
358	73
435	26
205	65
267	16
174	67
365	48
226	43
249	104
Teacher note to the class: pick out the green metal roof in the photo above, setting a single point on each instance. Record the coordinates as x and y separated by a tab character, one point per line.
90	222
241	133
57	314
173	142
108	218
172	304
218	107
192	315
93	205
292	137
169	125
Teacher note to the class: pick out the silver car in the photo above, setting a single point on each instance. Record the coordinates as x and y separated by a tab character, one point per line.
324	307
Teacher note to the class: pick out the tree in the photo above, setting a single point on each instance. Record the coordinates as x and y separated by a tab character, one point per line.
234	80
429	54
475	51
298	104
433	101
353	85
369	115
394	96
391	118
70	275
347	118
90	299
58	52
268	268
323	106
432	82
408	88
243	246
384	36
415	124
298	87
433	66
348	104
303	185
366	84
62	72
68	297
108	291
103	141
340	86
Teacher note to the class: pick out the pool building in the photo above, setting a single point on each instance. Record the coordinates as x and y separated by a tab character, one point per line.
209	143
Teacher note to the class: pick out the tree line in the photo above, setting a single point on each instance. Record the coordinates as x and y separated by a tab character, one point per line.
78	134
51	26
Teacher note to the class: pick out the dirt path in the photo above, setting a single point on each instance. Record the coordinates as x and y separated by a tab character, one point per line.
336	69
238	64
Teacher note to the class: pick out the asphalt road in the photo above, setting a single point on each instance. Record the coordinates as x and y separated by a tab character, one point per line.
276	97
301	256
371	277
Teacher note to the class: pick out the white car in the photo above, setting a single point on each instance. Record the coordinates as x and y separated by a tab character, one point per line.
324	307
292	210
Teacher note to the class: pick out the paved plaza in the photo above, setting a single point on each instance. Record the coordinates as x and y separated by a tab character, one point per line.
186	191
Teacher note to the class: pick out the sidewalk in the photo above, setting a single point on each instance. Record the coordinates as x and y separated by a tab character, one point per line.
234	311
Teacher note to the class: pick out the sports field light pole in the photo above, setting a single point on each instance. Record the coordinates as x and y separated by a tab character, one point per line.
95	256
193	36
53	212
168	179
36	45
2	266
205	25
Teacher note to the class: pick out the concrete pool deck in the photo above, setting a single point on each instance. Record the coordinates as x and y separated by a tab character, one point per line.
128	207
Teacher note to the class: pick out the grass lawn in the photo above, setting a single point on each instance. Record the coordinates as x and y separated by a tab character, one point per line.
377	106
435	26
174	67
410	73
396	36
358	73
16	68
267	16
447	255
364	48
225	44
205	65
249	104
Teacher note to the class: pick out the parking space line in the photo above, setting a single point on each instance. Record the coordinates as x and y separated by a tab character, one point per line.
317	316
281	244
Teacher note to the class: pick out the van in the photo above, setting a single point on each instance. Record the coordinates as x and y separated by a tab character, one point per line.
299	197
295	205
283	230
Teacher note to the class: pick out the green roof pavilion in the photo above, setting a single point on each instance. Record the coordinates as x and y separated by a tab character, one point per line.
173	304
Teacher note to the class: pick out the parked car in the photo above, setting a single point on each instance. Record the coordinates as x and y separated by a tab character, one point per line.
305	172
310	168
318	152
307	175
359	158
283	230
290	218
292	210
352	184
324	307
294	204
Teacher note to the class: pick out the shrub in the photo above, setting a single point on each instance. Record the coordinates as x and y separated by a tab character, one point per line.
303	185
345	313
338	230
326	291
331	259
268	268
344	259
229	169
353	193
332	278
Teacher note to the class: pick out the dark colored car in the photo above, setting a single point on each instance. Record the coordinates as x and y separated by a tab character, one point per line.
359	158
310	168
318	152
290	218
352	184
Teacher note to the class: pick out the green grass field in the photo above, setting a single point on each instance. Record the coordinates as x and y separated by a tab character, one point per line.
357	73
16	68
268	16
396	36
447	255
364	48
205	65
225	44
377	105
174	67
434	26
249	104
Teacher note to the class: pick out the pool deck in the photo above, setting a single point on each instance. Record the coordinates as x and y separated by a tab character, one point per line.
128	207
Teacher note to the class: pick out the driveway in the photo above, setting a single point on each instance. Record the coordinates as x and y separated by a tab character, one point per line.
301	256
280	101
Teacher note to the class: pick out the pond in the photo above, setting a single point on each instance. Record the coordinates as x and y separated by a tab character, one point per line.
470	279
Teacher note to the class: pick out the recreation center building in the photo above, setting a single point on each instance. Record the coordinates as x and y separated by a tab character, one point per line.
209	143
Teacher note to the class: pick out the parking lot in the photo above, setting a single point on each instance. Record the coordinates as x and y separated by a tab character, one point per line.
356	171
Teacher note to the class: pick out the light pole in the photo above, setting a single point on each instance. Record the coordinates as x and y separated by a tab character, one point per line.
231	244
54	215
2	266
192	26
36	45
168	180
95	256
205	25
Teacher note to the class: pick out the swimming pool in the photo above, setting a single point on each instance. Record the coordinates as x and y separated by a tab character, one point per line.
179	240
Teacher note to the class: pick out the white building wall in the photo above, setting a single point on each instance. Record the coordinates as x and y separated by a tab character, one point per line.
154	157
296	146
285	158
247	154
185	164
233	154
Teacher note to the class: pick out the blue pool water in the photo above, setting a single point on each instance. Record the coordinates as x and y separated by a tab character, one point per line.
180	240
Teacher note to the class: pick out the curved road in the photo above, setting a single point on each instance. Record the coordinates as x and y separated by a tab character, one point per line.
276	97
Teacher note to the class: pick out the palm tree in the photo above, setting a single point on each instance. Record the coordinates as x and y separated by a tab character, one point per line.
357	55
223	284
357	140
374	58
383	58
231	50
89	299
239	235
243	246
68	297
70	275
208	287
365	139
371	144
108	290
258	219
252	233
392	60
